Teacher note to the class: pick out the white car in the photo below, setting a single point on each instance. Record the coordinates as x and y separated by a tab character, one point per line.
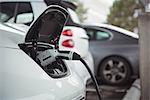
73	38
22	76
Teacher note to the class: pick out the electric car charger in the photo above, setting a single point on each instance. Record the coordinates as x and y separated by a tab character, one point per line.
50	55
43	33
46	54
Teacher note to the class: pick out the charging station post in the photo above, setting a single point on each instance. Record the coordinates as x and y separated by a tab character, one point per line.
144	42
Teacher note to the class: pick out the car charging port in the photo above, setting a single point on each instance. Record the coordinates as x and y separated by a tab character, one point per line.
56	68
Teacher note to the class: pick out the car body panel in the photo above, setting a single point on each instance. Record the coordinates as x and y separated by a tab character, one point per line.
23	79
80	38
18	37
82	73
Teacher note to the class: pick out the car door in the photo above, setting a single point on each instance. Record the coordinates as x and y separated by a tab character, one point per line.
99	42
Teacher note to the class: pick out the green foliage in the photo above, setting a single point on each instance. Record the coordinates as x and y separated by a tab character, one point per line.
81	10
124	14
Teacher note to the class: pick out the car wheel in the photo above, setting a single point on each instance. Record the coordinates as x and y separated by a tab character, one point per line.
114	71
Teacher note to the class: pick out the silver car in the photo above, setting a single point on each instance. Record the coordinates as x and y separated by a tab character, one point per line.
115	53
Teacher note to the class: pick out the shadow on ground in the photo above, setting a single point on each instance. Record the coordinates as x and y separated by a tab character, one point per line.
107	92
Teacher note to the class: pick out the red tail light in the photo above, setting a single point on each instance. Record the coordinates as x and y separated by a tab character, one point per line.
68	43
67	32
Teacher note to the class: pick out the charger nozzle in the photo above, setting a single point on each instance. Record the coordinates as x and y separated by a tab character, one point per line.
68	55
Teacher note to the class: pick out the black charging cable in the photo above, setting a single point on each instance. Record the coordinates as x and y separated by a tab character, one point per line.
68	55
93	78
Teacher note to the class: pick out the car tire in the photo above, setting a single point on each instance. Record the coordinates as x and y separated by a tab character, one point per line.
115	71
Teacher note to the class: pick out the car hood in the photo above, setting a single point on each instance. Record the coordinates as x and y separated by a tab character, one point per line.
48	26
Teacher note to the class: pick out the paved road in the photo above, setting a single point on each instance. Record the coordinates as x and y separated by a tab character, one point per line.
108	92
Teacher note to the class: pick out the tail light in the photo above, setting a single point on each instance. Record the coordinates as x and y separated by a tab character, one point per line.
68	43
67	32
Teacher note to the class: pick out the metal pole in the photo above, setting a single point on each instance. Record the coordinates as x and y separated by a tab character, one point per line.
144	41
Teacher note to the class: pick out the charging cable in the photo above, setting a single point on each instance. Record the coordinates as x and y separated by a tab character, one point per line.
68	55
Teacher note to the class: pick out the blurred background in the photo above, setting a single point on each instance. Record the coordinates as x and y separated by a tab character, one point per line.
110	46
122	13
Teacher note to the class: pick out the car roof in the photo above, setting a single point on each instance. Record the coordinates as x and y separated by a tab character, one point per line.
115	28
